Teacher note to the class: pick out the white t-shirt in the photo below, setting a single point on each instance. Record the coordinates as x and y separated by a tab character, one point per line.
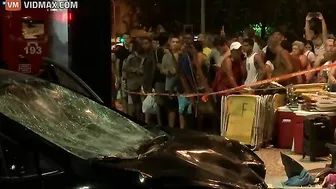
311	56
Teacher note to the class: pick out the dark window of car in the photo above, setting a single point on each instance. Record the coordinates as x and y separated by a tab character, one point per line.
17	161
60	75
69	82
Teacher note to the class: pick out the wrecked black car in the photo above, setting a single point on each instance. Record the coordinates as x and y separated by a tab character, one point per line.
54	138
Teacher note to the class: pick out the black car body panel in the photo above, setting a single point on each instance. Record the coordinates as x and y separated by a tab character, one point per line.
72	142
201	159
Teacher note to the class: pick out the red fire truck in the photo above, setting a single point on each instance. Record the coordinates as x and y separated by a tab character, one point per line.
25	38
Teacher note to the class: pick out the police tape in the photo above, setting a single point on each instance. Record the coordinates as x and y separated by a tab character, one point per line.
239	88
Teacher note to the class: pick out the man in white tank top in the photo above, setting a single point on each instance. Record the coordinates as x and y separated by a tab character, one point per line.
254	67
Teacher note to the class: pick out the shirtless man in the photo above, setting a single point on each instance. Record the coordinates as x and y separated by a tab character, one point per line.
283	63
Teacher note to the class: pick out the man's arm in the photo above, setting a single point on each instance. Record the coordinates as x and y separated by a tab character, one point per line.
287	61
260	65
304	61
331	75
244	71
166	66
308	67
324	28
227	64
269	69
127	68
307	28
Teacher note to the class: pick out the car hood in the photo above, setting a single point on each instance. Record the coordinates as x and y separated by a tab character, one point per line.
199	159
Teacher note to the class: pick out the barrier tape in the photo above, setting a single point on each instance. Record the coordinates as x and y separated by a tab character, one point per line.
239	88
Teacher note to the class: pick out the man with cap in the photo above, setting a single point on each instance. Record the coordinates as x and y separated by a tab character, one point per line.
226	75
238	61
254	66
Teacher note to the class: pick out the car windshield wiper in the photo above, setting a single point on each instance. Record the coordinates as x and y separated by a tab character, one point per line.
156	141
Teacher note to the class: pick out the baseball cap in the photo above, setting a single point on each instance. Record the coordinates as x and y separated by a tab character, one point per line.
235	46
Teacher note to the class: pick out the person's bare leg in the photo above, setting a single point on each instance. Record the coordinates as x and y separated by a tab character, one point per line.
125	105
182	122
138	111
200	120
158	116
171	119
147	118
131	110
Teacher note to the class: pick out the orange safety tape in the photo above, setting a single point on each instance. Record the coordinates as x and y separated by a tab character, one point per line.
239	88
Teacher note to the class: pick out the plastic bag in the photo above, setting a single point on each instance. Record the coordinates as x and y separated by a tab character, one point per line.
149	105
119	97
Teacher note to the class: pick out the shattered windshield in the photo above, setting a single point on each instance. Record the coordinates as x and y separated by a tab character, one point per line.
71	121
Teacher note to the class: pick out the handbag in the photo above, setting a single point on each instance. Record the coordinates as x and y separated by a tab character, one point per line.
205	107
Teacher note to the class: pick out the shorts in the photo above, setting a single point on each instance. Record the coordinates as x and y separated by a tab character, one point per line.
170	103
184	105
135	98
159	88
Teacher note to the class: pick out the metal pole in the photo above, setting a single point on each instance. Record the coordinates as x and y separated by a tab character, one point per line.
203	16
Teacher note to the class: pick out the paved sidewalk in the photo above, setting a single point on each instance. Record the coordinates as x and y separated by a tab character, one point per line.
275	170
276	183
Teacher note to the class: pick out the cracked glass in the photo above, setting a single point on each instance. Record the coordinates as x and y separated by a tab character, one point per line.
69	120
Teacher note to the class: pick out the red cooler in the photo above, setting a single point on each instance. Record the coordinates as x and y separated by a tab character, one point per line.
298	133
285	123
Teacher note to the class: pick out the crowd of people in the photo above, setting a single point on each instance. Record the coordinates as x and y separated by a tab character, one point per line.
179	64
